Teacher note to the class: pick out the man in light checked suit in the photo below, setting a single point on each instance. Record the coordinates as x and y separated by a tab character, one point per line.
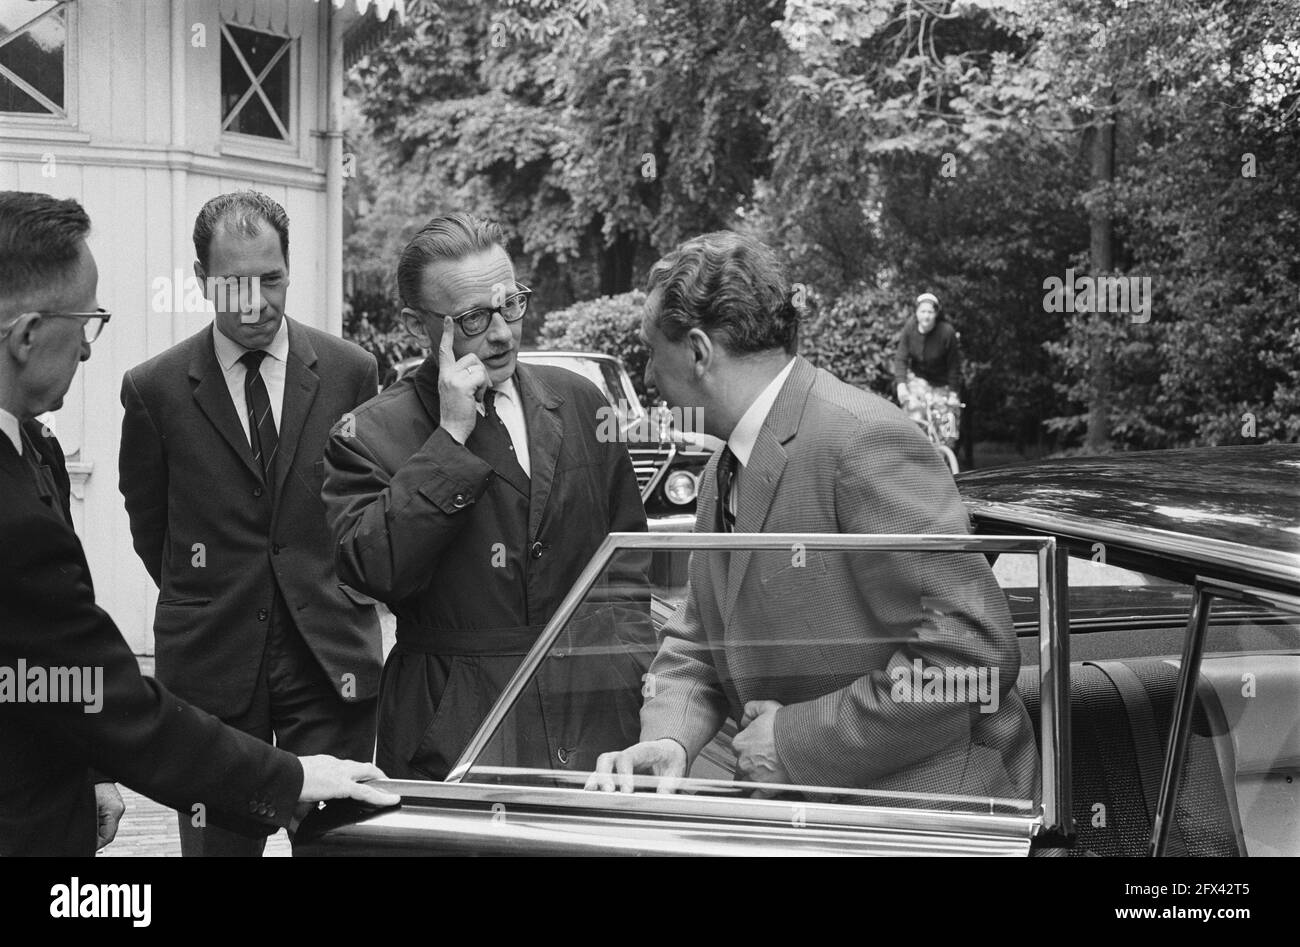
807	651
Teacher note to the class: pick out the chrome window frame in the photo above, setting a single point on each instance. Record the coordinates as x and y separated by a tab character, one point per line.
1196	552
1054	814
1207	590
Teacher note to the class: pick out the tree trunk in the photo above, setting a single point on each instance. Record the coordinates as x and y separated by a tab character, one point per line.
615	264
1101	253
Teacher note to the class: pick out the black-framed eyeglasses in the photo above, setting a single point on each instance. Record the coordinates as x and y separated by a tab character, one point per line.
92	322
475	321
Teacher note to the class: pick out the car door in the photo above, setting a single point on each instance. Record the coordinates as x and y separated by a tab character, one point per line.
850	635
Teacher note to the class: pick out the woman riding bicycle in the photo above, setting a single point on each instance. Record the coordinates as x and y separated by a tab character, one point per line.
927	363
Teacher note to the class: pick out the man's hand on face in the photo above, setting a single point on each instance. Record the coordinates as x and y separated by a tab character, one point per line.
461	385
327	777
666	758
109	808
755	744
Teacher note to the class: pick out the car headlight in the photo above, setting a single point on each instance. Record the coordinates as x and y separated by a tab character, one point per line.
681	487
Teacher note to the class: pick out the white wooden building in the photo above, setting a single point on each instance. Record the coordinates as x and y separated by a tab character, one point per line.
143	110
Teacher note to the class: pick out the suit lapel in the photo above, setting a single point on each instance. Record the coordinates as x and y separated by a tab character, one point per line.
757	489
213	398
38	472
763	473
545	435
300	386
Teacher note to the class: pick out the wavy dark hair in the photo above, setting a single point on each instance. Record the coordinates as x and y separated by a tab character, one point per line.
732	287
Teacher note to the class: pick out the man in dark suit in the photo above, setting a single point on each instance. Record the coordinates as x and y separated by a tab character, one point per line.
807	453
221	468
71	693
468	497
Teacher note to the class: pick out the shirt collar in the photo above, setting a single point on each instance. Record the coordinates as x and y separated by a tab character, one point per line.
508	390
745	435
228	352
13	430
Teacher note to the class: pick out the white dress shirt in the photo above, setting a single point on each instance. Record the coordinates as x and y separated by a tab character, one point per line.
273	372
13	430
511	412
745	434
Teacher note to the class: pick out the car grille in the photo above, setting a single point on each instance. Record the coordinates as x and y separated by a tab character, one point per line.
647	462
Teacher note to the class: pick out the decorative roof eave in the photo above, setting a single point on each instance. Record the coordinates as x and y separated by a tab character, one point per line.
286	16
370	31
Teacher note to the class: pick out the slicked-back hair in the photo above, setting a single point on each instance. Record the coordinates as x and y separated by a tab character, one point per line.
241	212
730	286
447	238
40	241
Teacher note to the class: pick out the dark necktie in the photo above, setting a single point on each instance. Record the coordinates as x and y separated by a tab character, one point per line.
497	435
725	521
262	434
44	478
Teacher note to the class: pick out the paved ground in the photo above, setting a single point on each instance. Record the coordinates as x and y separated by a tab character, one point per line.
149	829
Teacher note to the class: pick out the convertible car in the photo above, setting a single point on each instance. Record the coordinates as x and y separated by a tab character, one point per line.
1155	600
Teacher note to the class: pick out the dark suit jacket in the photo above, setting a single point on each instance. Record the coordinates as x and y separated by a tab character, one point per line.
143	736
474	561
821	634
218	546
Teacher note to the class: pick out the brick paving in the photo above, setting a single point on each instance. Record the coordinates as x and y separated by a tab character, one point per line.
149	829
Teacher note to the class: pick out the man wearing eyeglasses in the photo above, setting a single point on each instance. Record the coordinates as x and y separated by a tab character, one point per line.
221	468
468	497
59	758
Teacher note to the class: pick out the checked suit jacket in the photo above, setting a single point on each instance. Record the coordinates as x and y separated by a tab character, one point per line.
823	633
219	541
52	754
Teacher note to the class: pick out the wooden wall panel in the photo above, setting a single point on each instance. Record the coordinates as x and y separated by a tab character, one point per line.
131	176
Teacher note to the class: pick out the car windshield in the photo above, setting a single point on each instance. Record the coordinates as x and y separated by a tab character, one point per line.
606	375
802	670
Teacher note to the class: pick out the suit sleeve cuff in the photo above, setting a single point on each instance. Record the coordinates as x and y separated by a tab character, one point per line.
288	789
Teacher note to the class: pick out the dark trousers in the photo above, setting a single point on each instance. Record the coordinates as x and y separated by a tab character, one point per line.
297	704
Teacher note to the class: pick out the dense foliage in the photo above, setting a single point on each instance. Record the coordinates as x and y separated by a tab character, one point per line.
885	148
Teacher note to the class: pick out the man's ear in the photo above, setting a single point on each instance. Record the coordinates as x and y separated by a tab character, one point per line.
702	350
202	277
415	325
21	337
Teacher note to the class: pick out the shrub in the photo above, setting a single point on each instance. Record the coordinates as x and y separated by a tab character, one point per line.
852	337
609	325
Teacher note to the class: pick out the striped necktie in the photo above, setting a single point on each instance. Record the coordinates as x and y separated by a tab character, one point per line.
262	435
725	521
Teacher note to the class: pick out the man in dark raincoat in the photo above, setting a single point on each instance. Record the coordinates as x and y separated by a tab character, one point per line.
468	497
